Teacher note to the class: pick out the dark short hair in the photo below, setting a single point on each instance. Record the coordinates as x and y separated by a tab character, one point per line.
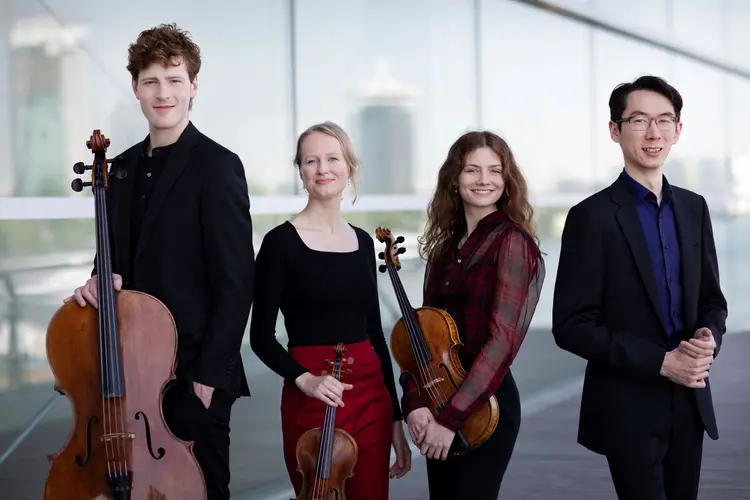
618	100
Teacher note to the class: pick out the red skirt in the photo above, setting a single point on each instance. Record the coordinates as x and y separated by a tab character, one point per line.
367	415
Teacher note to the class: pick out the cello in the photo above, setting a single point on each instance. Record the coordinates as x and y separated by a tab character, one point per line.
425	344
326	456
113	363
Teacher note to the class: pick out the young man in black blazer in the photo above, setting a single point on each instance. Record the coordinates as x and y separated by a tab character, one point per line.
181	231
638	296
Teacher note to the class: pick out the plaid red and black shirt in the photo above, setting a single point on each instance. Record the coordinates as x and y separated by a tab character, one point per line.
491	287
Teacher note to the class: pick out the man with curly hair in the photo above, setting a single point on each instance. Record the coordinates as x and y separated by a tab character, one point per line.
182	232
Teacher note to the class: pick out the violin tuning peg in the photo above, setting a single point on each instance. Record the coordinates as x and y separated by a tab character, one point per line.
381	255
329	362
382	268
401	250
400	239
350	360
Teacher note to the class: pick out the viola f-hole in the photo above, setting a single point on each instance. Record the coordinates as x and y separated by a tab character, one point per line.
113	364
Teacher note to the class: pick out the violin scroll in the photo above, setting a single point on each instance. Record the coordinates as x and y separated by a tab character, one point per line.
98	145
384	235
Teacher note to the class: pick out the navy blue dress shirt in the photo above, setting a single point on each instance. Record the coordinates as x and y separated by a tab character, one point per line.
660	229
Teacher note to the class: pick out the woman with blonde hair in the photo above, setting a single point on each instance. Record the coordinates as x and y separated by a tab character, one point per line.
485	269
320	272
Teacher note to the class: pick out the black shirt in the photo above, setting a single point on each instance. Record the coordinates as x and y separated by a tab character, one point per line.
325	297
147	174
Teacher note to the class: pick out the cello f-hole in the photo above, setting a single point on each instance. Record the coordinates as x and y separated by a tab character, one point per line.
147	429
81	462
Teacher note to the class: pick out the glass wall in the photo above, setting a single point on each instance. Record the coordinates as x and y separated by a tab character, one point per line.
405	79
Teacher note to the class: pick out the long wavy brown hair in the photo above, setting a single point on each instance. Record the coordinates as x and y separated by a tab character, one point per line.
445	213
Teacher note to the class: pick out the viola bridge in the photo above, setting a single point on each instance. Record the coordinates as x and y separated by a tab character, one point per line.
433	382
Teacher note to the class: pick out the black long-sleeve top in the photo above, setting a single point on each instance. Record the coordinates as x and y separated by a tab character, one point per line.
325	297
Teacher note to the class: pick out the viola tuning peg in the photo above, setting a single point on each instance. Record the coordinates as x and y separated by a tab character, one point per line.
400	239
401	250
382	268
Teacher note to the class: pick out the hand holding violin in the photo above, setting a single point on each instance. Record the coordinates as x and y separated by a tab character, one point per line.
324	387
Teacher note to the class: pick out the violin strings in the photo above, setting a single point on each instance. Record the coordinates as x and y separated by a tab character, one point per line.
419	349
325	449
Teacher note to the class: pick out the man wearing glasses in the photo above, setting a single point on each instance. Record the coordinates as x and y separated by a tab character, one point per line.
638	296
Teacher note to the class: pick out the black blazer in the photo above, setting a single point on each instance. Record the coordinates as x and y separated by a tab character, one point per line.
606	310
195	253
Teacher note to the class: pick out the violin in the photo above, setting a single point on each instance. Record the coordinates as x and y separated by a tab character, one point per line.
326	456
112	363
425	344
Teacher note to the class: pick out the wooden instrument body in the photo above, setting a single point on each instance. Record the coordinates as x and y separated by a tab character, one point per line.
444	371
343	459
163	467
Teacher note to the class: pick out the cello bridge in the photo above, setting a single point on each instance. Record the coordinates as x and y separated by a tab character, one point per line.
107	438
433	382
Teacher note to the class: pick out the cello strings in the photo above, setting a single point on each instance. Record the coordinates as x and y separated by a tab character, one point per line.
115	354
103	340
418	346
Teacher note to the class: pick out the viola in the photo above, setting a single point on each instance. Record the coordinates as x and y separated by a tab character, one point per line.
425	345
326	456
112	363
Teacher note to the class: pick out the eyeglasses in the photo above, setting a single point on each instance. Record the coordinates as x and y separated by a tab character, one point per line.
641	122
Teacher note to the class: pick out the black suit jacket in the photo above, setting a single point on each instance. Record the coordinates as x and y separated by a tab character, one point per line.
195	253
606	310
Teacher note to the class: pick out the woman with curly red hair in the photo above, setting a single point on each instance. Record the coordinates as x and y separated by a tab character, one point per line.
484	267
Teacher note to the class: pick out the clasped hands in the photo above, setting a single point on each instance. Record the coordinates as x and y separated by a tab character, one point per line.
689	363
434	440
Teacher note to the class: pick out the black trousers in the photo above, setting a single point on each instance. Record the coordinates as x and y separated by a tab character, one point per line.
669	467
188	419
479	474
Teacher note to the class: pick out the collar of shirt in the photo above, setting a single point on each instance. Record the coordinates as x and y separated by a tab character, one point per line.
156	152
640	192
485	226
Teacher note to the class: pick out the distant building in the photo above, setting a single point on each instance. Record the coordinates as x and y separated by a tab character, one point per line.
386	142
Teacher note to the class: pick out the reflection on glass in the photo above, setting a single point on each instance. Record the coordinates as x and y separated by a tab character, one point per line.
530	103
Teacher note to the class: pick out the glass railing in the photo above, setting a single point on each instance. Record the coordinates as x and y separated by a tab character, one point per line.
46	260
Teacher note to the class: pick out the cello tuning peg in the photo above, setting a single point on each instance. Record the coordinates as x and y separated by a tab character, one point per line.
80	167
382	268
400	239
77	185
401	250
